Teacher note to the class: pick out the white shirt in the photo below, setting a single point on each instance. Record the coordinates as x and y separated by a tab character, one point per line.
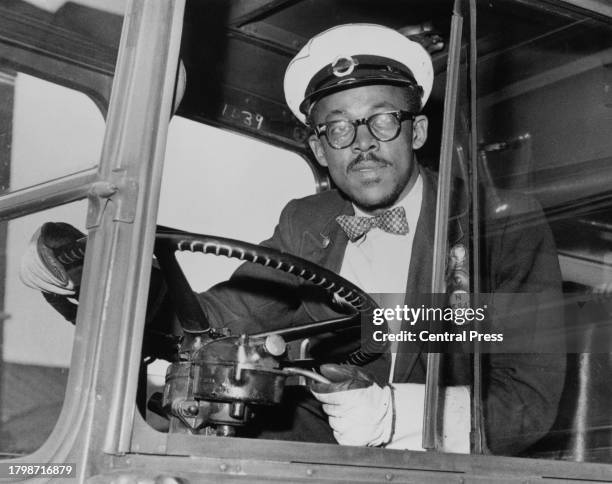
379	261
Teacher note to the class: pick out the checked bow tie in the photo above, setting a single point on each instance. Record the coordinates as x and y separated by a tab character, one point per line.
392	221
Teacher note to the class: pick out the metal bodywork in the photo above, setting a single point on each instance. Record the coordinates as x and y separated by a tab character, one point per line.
100	428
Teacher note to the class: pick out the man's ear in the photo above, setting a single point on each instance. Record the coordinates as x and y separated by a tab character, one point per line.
317	148
419	131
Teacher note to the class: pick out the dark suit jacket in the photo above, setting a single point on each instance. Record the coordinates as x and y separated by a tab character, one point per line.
521	392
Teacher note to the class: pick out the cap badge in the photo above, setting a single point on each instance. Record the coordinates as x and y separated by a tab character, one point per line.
343	66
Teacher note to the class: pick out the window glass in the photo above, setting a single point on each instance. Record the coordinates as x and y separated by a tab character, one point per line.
45	121
36	342
51	130
544	148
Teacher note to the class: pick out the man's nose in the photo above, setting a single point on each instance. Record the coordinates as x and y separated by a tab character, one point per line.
364	141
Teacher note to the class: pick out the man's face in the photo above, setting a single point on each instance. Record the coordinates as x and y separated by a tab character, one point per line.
373	174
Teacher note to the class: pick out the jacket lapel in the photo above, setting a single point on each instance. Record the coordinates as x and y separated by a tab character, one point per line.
421	260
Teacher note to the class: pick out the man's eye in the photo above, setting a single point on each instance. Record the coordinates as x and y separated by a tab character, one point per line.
383	121
338	128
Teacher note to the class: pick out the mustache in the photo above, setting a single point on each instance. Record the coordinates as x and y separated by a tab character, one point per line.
363	157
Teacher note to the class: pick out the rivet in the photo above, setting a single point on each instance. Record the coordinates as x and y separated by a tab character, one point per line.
389	477
222	467
309	472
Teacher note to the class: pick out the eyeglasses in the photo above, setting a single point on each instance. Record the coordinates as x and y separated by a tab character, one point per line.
341	134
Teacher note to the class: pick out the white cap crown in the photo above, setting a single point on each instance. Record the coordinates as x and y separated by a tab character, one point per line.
350	55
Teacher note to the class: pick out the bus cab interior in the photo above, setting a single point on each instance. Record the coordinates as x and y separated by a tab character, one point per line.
522	102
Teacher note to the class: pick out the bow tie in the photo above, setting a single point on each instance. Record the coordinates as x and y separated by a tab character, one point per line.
392	221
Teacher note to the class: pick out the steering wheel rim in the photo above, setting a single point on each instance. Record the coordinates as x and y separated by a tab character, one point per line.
168	241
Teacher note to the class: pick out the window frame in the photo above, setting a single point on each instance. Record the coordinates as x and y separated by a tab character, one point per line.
98	408
99	426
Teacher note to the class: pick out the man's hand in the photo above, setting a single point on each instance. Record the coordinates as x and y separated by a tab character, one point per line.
40	269
360	411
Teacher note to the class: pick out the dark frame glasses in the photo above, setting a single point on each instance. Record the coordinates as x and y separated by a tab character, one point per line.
384	126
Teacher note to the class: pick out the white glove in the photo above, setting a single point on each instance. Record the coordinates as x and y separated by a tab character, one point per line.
360	411
39	268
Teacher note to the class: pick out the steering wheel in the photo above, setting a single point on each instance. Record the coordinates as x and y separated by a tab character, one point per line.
193	319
